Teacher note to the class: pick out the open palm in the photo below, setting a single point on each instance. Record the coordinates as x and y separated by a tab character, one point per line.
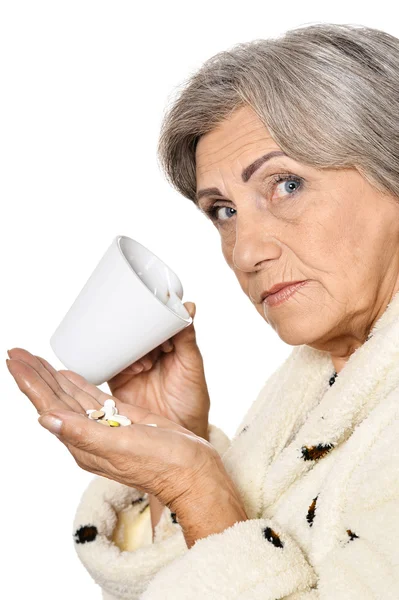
134	455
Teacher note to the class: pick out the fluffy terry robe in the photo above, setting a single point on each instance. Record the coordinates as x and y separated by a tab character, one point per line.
317	468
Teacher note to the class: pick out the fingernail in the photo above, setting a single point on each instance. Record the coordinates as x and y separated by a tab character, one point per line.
51	423
8	352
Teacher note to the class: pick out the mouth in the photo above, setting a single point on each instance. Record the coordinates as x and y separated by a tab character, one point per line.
282	294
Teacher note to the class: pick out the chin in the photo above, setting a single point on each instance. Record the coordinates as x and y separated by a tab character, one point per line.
293	338
296	331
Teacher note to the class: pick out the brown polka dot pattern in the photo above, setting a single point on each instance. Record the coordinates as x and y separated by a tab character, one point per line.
137	500
87	533
311	512
272	537
351	534
315	452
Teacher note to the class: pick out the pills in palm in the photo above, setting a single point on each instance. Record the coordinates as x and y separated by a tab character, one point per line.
122	420
97	414
108	415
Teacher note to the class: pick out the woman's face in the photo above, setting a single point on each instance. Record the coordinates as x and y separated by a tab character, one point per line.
328	226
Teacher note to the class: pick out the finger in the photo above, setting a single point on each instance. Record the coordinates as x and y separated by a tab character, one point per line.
85	434
92	393
34	387
134	369
83	396
145	362
48	374
167	346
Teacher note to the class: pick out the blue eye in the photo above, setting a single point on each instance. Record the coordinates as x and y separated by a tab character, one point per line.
288	180
276	180
212	212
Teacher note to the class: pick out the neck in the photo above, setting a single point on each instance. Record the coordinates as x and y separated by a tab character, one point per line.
340	358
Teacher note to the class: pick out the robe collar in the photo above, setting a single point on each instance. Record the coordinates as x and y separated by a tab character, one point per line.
298	417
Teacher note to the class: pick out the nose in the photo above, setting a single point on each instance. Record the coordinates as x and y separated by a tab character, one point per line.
254	246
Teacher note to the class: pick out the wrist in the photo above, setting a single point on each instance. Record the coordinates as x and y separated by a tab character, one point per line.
211	507
204	434
200	430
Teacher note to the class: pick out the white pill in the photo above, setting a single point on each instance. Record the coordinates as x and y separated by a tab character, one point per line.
109	412
121	419
150	424
109	402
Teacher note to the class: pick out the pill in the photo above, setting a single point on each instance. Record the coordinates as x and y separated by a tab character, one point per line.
150	424
108	415
121	419
109	412
97	414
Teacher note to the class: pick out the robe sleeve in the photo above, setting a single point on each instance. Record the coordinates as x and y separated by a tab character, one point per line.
355	553
251	560
111	516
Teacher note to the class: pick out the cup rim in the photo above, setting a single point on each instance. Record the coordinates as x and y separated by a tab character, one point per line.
117	240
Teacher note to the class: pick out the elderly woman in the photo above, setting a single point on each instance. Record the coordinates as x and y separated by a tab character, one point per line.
295	141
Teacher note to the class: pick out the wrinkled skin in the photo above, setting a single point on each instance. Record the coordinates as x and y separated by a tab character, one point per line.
168	461
332	228
172	382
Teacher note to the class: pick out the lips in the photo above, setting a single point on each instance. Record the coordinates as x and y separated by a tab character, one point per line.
277	288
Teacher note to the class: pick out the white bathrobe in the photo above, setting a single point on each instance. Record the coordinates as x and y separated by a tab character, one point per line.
317	469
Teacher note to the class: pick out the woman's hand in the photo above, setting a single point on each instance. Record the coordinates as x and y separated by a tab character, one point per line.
168	461
172	383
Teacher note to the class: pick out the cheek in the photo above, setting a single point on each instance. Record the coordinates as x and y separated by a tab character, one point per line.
227	251
323	229
337	242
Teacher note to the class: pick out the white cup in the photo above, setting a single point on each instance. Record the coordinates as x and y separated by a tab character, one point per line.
131	304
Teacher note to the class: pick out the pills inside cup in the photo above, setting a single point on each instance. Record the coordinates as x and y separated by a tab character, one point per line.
109	416
166	286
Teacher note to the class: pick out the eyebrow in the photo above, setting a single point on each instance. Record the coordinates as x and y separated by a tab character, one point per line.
245	175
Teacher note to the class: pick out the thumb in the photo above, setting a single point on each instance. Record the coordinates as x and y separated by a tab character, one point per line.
191	308
186	339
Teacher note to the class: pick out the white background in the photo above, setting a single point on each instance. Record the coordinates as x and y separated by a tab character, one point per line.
83	88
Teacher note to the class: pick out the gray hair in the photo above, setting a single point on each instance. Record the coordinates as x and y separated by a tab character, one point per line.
327	93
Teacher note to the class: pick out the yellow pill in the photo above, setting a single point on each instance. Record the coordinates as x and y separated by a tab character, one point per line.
113	423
